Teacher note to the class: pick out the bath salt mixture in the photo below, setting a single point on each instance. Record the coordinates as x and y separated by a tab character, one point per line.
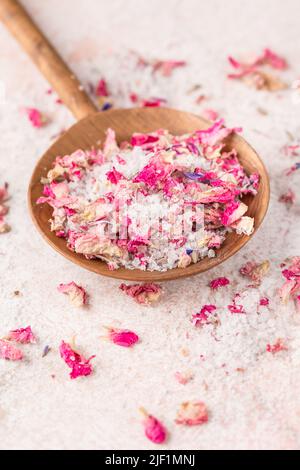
155	203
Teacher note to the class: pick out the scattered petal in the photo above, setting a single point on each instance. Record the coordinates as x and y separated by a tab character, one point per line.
202	317
291	287
255	271
154	429
22	335
166	67
183	377
234	308
36	117
77	294
288	198
79	365
264	301
9	351
210	114
219	282
102	89
279	345
192	413
152	102
125	338
293	168
252	74
144	294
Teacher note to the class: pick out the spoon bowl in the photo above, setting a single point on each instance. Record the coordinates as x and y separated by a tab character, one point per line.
90	132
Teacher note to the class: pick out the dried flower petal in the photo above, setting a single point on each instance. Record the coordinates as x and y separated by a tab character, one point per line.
4	193
153	102
192	413
210	114
255	271
9	351
203	316
36	117
291	287
183	377
101	89
144	294
4	227
125	338
277	346
22	335
288	198
264	301
79	365
293	168
154	429
252	74
77	294
219	282
234	308
291	150
166	67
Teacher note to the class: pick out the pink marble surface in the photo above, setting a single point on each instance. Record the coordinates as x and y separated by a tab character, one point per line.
255	409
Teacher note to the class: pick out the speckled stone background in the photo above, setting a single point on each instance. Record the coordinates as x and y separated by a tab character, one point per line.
40	407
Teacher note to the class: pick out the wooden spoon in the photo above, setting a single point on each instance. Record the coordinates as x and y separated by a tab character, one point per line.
91	128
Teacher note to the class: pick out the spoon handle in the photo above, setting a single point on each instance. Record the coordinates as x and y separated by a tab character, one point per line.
43	54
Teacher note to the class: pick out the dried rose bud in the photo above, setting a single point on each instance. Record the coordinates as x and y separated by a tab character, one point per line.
9	351
77	294
192	413
154	429
22	335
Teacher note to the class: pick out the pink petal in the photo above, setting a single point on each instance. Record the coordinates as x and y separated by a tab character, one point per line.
154	429
153	102
210	114
79	365
4	193
219	282
202	317
192	413
144	294
9	351
166	67
101	89
22	335
114	176
76	293
36	118
125	338
264	301
255	271
183	378
274	60
276	347
289	197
